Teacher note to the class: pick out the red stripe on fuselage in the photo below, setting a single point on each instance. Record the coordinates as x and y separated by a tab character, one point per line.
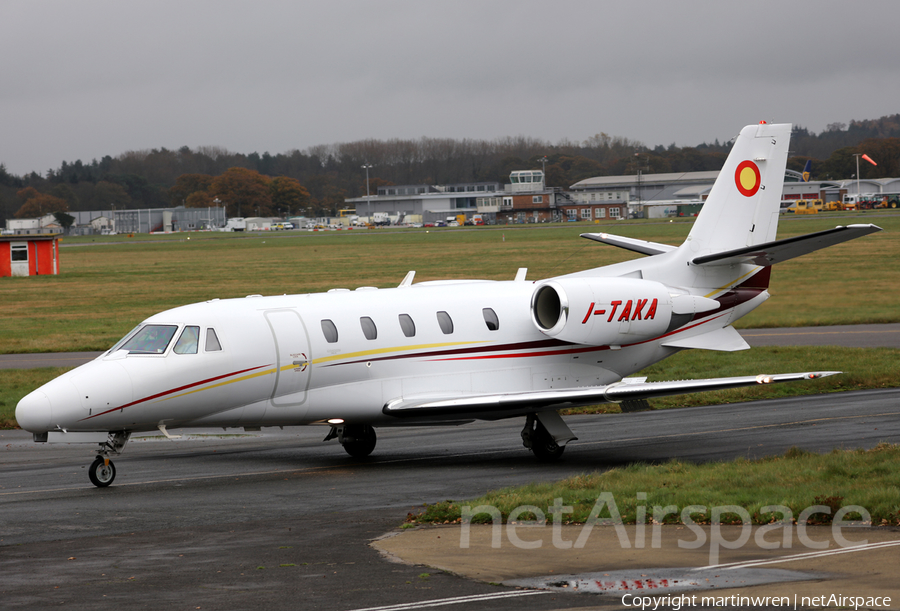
174	390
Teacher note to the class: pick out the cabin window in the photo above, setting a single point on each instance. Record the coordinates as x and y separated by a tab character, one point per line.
330	331
212	341
188	342
368	327
445	322
151	339
407	325
490	319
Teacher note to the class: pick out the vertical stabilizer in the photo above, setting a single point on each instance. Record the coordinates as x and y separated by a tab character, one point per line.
743	206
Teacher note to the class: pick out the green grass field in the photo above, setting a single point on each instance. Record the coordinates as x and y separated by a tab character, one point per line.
109	284
796	480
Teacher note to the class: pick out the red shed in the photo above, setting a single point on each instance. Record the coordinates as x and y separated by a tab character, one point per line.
29	255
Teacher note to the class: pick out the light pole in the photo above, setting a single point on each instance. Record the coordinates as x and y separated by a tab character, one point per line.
543	161
368	201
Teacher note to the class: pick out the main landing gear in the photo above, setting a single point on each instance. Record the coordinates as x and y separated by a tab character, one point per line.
102	471
546	435
358	440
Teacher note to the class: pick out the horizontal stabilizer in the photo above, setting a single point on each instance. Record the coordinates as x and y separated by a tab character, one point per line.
788	248
642	246
726	339
513	404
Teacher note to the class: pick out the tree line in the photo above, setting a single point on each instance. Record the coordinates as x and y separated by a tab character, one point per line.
317	180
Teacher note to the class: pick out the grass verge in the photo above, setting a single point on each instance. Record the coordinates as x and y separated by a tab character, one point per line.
797	480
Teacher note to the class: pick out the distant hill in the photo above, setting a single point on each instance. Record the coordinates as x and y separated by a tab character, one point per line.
143	179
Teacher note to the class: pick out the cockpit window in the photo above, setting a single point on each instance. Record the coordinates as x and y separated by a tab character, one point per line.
188	342
212	341
151	339
118	344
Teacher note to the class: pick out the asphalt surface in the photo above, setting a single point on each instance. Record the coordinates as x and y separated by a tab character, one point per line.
280	520
848	336
851	336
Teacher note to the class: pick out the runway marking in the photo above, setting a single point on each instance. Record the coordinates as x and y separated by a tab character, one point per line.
805	556
456	600
342	467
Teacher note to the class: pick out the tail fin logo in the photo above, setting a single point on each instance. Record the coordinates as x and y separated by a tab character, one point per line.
747	178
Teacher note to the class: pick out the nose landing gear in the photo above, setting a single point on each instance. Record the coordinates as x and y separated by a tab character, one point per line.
102	471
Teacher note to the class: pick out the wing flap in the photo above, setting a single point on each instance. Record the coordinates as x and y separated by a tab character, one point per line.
512	404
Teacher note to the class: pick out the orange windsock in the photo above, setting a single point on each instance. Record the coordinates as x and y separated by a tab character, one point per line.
869	159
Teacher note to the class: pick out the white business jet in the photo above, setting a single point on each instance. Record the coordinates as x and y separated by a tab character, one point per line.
447	352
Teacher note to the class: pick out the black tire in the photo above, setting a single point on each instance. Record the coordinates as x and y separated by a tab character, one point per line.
359	440
544	447
102	473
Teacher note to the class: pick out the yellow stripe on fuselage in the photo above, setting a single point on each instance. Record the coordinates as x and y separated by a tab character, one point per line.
225	383
363	353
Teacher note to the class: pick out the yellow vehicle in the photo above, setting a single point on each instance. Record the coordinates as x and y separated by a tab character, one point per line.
806	206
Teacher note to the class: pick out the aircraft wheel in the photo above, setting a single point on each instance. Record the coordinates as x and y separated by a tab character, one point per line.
359	440
544	447
102	473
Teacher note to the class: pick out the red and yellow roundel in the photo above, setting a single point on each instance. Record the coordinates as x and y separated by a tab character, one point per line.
747	178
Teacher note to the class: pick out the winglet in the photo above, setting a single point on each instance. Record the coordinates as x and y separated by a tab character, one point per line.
407	280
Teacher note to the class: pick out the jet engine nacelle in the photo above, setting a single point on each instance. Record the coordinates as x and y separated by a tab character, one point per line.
611	311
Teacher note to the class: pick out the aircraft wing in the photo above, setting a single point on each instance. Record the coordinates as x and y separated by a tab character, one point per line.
788	248
627	391
642	246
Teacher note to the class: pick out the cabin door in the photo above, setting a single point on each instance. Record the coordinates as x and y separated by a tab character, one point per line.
293	359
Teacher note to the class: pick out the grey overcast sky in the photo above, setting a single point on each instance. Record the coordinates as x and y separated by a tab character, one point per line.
85	79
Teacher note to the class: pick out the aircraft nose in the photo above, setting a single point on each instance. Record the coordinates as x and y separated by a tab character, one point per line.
33	412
